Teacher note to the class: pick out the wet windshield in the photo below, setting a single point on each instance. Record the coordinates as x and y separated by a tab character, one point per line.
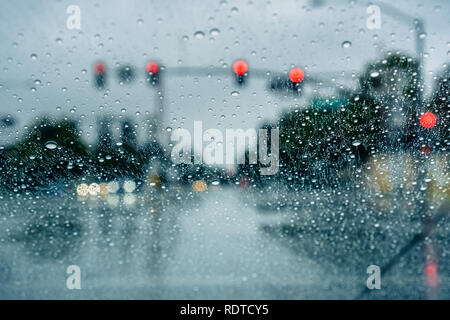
224	149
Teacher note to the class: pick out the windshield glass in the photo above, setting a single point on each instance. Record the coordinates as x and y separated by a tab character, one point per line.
224	149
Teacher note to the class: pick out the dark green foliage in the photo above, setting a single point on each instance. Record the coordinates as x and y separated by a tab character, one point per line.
321	143
316	143
30	164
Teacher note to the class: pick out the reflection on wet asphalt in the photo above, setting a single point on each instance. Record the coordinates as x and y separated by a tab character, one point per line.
175	245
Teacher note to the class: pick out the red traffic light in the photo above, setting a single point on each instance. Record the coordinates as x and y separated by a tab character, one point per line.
431	274
240	67
428	120
99	68
152	67
296	75
425	150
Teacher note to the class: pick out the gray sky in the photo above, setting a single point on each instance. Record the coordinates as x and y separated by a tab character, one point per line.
272	35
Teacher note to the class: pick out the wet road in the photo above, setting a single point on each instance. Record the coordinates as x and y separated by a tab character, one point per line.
172	245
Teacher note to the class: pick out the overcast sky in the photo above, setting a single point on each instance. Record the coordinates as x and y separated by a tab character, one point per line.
272	35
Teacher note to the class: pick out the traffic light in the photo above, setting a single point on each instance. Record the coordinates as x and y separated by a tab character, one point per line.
278	83
425	149
292	83
152	72
240	69
296	76
100	74
125	74
428	120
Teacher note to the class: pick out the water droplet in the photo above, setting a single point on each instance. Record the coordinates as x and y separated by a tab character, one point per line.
346	44
199	35
33	56
214	32
356	143
374	74
51	145
235	93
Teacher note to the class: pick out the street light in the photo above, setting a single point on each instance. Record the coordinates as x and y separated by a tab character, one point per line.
125	74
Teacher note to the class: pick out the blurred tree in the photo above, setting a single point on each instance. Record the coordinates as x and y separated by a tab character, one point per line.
106	153
322	143
316	144
252	171
51	151
130	161
394	84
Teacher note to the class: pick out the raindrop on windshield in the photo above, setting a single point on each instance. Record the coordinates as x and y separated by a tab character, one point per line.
199	35
51	145
214	32
346	44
